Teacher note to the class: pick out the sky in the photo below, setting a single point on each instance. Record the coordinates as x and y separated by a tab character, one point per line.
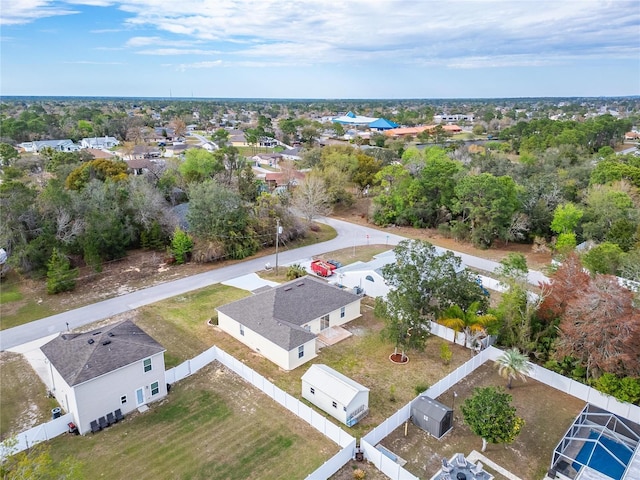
327	49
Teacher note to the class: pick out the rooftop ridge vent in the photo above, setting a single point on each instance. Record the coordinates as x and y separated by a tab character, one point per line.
97	333
106	342
90	341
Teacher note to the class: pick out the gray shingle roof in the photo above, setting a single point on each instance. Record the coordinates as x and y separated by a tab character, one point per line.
279	313
78	359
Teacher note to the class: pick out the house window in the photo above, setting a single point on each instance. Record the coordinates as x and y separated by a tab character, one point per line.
334	404
123	399
324	322
301	351
147	364
242	330
155	388
313	390
342	312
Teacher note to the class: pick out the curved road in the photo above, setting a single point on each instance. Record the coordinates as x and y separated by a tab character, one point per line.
348	235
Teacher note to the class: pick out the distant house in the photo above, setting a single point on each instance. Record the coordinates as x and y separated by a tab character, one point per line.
99	143
292	154
283	179
282	323
335	393
114	367
270	159
138	166
145	151
65	145
382	124
237	138
414	131
175	150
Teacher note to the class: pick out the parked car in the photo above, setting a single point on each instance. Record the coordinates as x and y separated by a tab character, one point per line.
335	263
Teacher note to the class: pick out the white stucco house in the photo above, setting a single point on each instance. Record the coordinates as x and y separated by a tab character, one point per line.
64	145
99	143
95	373
335	393
282	323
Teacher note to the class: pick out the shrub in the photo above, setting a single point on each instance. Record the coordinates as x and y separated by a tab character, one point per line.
445	353
421	388
359	474
295	271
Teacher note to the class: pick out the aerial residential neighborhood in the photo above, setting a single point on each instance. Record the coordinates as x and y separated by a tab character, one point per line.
319	240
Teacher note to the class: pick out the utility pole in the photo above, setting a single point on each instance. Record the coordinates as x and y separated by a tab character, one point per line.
278	230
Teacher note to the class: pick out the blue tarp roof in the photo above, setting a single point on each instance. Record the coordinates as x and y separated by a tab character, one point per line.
383	123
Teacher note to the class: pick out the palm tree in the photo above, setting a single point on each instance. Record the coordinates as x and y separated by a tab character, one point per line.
513	364
473	324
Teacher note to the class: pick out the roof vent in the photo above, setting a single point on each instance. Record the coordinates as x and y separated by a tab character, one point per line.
90	341
300	284
106	342
286	289
111	334
96	333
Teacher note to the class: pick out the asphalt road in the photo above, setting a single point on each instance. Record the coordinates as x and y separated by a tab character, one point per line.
349	235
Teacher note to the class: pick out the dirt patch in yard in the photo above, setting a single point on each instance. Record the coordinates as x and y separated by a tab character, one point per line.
547	412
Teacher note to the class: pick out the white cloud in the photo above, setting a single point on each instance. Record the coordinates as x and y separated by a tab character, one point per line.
91	62
20	12
177	51
455	33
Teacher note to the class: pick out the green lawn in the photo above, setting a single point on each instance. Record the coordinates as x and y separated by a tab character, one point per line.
211	426
23	396
18	305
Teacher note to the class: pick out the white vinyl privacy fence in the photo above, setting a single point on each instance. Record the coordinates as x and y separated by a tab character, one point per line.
37	434
394	471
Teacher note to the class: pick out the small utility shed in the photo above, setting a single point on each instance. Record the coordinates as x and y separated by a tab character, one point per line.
336	394
431	416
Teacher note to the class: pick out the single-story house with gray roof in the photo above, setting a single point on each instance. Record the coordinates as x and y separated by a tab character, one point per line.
95	373
282	323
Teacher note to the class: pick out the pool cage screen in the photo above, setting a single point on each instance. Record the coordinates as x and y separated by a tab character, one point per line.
597	440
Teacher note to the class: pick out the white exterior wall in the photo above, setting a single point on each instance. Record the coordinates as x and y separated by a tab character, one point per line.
377	288
97	397
324	402
362	398
287	360
351	312
63	393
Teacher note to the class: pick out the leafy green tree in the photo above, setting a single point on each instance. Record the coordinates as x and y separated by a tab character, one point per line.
60	276
566	218
490	415
217	213
404	326
487	204
101	169
430	281
8	154
513	365
181	245
566	243
200	165
220	137
605	258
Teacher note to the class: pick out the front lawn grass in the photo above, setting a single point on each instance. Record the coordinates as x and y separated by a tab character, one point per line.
23	396
180	323
211	426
